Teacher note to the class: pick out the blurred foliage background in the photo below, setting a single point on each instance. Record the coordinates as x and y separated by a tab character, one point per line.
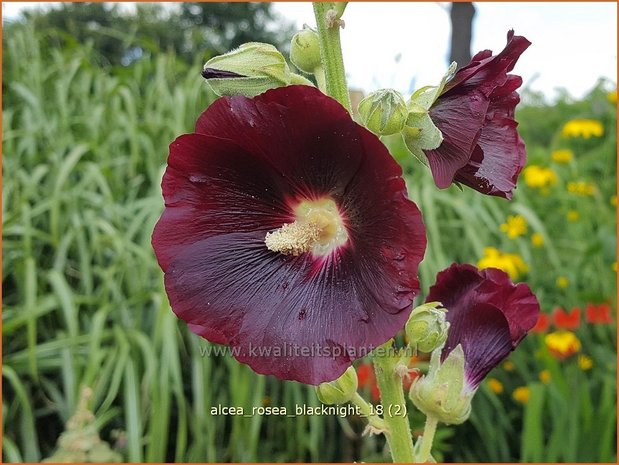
92	97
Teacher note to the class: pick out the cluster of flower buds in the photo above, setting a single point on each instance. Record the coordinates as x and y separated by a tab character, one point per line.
442	392
385	112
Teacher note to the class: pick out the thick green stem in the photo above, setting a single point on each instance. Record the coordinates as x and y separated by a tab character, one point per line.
331	53
394	405
427	439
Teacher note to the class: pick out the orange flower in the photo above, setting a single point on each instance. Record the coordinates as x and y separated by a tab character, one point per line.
408	380
367	379
598	314
542	325
565	320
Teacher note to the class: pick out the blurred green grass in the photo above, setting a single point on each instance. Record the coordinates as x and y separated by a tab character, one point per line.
84	150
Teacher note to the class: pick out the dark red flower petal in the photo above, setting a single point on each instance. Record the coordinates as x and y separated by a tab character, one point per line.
460	120
481	147
483	333
488	315
240	176
233	191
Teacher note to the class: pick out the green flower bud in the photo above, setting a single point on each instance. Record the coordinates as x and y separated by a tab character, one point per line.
339	391
383	112
427	327
305	50
442	392
249	70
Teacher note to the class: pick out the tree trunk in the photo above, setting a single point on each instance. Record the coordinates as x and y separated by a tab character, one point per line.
462	14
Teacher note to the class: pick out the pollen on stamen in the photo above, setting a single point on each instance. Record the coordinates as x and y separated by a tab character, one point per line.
293	238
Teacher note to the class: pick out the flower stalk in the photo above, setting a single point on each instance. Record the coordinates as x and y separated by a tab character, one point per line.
425	446
398	431
331	52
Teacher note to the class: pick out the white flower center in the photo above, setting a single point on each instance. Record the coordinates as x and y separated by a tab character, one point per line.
318	228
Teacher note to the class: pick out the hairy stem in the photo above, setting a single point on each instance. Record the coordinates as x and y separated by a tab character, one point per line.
427	439
331	52
394	405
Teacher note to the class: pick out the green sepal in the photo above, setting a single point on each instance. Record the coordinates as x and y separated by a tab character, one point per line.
420	134
426	96
340	390
442	392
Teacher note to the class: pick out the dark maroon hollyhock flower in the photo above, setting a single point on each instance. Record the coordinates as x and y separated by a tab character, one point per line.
287	234
488	315
481	147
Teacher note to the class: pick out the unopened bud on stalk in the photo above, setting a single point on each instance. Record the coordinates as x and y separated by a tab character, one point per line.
426	328
383	112
340	390
443	393
305	50
249	70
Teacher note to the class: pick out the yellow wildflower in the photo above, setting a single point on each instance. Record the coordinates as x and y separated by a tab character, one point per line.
512	264
585	363
614	266
515	226
581	188
544	376
537	239
562	282
522	394
538	177
613	200
585	128
509	366
562	344
495	385
612	96
573	215
562	156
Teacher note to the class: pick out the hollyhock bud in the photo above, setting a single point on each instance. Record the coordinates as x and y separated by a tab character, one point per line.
340	390
383	112
305	50
427	327
249	70
442	393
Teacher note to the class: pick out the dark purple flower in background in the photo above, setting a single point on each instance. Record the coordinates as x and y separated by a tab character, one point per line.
481	147
287	234
488	315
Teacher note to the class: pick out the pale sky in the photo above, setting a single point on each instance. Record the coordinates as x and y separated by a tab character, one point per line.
573	43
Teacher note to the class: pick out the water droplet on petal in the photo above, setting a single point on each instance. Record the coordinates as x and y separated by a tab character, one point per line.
197	178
